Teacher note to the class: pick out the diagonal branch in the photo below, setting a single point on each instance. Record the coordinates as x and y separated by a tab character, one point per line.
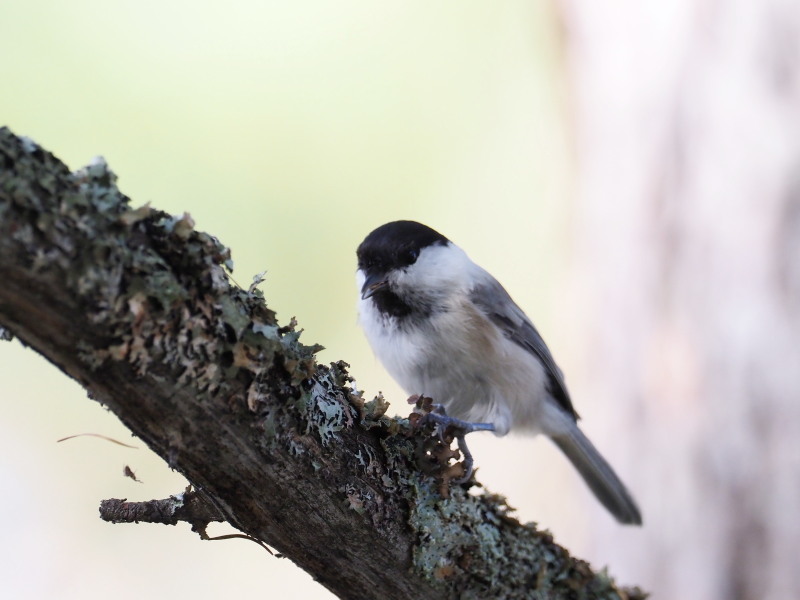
137	307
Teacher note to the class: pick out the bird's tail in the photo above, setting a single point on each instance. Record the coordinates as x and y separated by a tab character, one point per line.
599	476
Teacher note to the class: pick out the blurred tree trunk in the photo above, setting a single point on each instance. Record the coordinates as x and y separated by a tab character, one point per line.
687	127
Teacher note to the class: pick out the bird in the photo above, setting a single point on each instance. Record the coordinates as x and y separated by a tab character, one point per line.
445	328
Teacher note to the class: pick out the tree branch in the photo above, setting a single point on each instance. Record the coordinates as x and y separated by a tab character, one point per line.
188	506
137	307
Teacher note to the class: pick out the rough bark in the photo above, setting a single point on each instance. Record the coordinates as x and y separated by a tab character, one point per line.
137	307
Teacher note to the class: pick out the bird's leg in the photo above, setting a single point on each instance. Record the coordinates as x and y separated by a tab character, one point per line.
439	416
460	429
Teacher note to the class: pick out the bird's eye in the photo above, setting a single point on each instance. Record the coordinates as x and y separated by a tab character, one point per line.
410	256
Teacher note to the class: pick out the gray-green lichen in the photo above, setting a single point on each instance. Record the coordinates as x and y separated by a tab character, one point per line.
155	287
474	538
156	284
326	411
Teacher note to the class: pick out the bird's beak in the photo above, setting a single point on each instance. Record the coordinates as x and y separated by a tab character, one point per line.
372	284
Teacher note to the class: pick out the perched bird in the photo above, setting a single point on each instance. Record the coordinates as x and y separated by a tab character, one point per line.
444	327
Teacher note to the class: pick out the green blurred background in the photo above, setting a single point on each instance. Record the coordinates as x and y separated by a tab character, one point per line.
289	131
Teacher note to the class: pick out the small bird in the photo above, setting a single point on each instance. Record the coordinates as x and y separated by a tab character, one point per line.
444	327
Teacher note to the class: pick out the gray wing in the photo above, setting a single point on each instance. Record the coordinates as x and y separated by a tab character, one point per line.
493	300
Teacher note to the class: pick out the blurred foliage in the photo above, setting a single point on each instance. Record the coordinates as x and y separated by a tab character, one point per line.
288	130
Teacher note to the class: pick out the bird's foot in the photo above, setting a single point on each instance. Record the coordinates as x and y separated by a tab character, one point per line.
449	428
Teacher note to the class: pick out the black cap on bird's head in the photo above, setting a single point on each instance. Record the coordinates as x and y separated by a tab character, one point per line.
392	246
